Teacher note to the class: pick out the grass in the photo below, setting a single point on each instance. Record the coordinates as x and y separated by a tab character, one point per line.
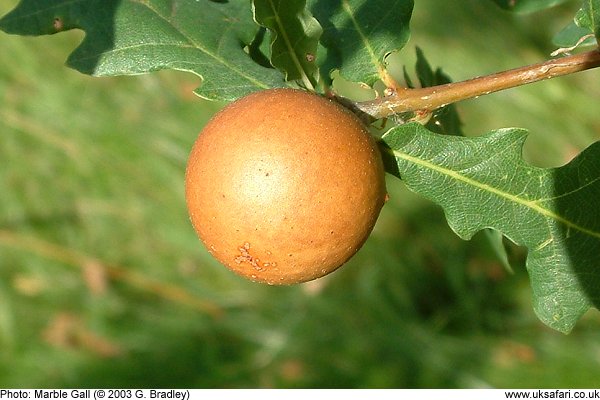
104	283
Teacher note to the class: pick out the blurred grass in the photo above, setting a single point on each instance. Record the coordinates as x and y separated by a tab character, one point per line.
104	283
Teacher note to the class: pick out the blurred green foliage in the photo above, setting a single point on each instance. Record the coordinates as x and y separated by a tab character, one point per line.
104	283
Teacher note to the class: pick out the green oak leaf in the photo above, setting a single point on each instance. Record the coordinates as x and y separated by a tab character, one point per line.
573	36
588	17
125	37
360	34
527	6
294	39
483	182
584	30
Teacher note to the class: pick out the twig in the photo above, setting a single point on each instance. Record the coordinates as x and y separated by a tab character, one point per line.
431	98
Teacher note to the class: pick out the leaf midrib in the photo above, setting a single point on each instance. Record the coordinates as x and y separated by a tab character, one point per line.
593	17
290	47
357	27
197	46
531	204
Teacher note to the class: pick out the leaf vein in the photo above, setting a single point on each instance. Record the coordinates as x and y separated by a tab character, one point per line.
571	192
196	45
291	47
531	204
361	34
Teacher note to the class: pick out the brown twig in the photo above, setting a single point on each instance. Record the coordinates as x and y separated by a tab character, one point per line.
431	98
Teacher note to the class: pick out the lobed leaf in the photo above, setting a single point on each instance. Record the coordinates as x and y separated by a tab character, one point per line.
294	39
584	30
360	34
573	36
588	17
123	37
483	182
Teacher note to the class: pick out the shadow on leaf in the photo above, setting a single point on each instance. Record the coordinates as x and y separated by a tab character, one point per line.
576	198
96	16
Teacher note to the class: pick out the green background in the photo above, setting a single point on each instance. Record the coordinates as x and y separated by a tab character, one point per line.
103	282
